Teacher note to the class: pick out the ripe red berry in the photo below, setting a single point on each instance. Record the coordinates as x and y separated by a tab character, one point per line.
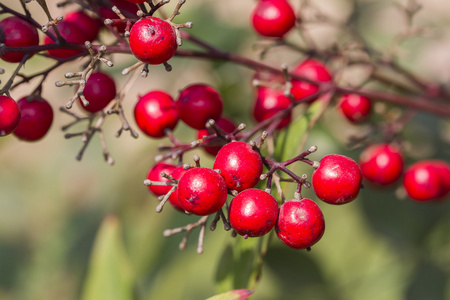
155	112
36	119
356	108
311	69
300	223
16	32
88	25
337	180
128	9
9	115
270	101
173	198
100	89
240	165
381	164
136	1
154	174
153	40
201	191
427	180
197	104
223	123
71	33
253	213
273	18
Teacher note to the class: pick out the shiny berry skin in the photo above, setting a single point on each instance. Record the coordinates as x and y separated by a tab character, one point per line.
155	112
381	164
88	25
201	191
337	180
9	115
100	89
311	69
253	213
36	119
153	40
16	32
300	223
270	101
197	104
273	18
427	180
177	173
240	165
355	108
72	33
154	174
223	123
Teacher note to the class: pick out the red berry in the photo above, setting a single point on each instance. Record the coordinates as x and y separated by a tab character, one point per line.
300	223
427	180
197	104
16	32
136	1
356	108
71	33
240	165
173	198
154	174
273	18
36	119
155	112
270	101
381	164
223	123
100	89
153	40
9	115
253	213
311	69
128	9
201	191
88	25
337	180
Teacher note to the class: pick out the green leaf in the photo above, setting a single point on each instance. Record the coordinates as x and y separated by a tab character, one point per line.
241	263
290	142
241	294
110	274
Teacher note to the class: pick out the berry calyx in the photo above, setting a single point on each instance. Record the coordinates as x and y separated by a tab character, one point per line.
270	101
155	113
223	123
16	32
71	33
337	180
355	108
9	115
197	104
427	180
311	69
153	40
273	18
381	164
100	89
154	174
300	223
36	119
201	191
253	213
239	165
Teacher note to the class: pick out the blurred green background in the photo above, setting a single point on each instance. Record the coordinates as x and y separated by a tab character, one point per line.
86	230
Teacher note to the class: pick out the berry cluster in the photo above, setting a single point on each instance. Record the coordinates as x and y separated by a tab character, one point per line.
282	96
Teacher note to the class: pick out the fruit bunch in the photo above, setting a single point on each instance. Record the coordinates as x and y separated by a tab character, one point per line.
248	164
